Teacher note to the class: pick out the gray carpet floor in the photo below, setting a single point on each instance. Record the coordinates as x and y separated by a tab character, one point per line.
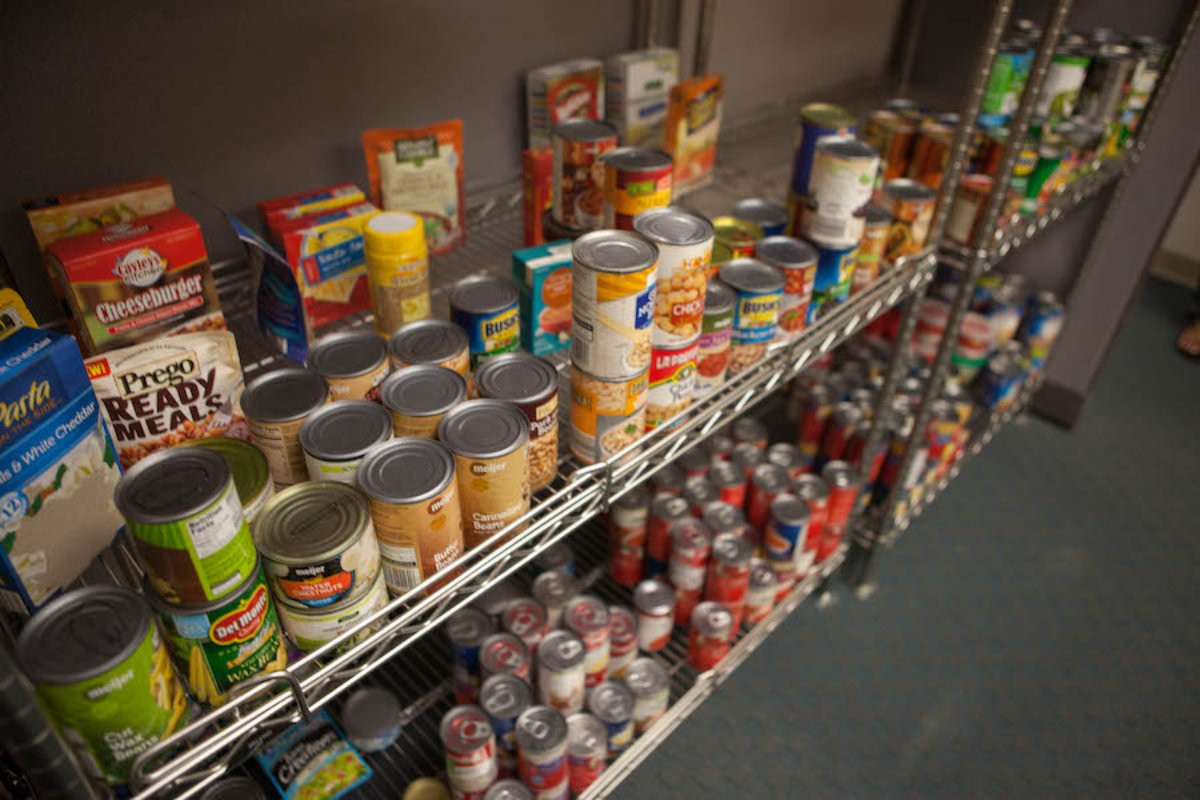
1036	633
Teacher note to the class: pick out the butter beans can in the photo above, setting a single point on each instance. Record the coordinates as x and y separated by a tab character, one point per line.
531	384
337	437
431	341
276	405
416	398
614	275
487	308
910	205
310	628
353	363
759	293
672	382
685	246
839	189
797	260
606	415
712	351
635	180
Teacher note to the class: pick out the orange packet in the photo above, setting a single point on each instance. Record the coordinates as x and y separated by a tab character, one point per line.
693	121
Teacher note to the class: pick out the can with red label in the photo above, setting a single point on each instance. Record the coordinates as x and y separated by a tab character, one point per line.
695	462
892	135
504	654
542	750
815	409
746	457
622	641
787	456
504	697
721	517
560	662
869	259
760	593
751	431
729	575
813	490
797	260
651	687
552	589
785	576
578	199
843	489
668	480
766	483
699	492
655	604
845	419
721	447
716	330
709	635
466	630
587	617
690	546
635	180
525	618
665	510
730	482
786	530
672	379
470	747
587	748
628	520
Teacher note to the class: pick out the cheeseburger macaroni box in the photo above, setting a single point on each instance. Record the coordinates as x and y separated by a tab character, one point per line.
543	278
58	469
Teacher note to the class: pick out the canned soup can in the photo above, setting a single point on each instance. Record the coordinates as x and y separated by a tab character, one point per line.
759	293
612	303
410	485
578	188
635	180
587	749
99	668
222	643
504	697
470	746
560	681
712	351
685	246
489	440
487	309
672	381
353	363
843	176
337	437
612	703
186	523
431	341
251	475
318	545
771	218
542	750
910	205
276	405
797	260
651	687
531	384
416	398
607	415
817	121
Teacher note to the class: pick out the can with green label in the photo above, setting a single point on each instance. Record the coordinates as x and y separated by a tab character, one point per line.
102	672
251	473
186	523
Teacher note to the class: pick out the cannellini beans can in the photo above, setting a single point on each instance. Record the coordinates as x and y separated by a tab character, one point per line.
336	437
655	603
531	384
672	381
418	397
607	415
353	363
560	664
614	275
622	641
470	746
309	628
797	260
685	245
587	617
712	351
635	180
276	405
651	687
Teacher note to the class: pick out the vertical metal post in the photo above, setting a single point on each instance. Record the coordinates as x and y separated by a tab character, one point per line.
1164	80
704	35
908	56
650	23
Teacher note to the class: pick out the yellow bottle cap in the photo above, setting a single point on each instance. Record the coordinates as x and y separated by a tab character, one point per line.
395	233
426	789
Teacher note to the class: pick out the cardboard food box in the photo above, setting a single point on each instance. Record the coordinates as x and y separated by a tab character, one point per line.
637	89
58	469
281	212
543	278
693	122
567	90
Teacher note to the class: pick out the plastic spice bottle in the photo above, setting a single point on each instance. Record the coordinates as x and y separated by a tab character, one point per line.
397	269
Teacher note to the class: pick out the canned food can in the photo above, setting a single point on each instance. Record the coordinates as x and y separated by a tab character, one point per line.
552	589
817	121
667	480
709	635
746	456
695	461
760	593
712	351
787	529
771	218
721	517
466	629
276	405
685	246
470	746
845	419
578	188
1062	84
729	575
699	492
410	485
614	276
931	153
489	441
353	363
628	520
587	617
525	618
969	200
910	205
797	261
839	188
235	788
672	381
766	483
251	475
542	750
891	134
635	180
733	238
814	412
868	260
750	431
587	748
487	309
622	641
835	271
612	704
311	627
654	600
336	438
99	668
531	384
759	292
185	521
556	556
665	510
503	698
493	600
691	543
436	342
561	671
731	484
1000	381
607	414
503	789
1043	323
651	688
417	397
788	456
785	576
504	654
843	490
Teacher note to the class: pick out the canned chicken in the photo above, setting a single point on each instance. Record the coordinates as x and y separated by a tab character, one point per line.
733	238
470	746
839	188
504	697
560	663
760	593
709	635
587	747
797	261
712	352
251	475
655	603
910	205
651	688
578	198
691	543
612	704
587	617
542	750
771	218
531	384
635	180
552	589
627	522
275	405
614	276
416	398
672	380
353	363
622	641
503	654
607	415
311	627
336	437
431	341
486	308
759	293
685	245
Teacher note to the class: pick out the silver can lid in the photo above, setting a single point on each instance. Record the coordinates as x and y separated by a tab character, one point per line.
749	429
523	616
906	189
646	677
839	475
614	251
311	522
770	477
762	213
82	634
406	470
635	500
636	159
718	299
668	479
428	341
697	458
654	597
712	619
761	574
612	703
690	533
468	627
811	488
784	252
553	588
503	652
669	507
701	491
505	696
587	734
235	787
732	550
749	275
876	216
485	294
723	517
517	378
424	390
848	413
284	395
789	509
484	429
170	485
466	729
673	225
785	454
724	473
540	729
586	614
345	430
561	650
585	130
346	354
370	713
508	789
846	147
557	556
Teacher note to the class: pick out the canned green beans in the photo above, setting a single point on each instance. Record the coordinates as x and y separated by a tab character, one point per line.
251	475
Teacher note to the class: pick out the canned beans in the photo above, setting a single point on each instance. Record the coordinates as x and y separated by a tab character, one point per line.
690	546
709	635
614	277
607	415
531	384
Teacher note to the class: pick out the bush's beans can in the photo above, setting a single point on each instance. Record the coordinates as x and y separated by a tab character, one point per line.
578	188
668	480
672	381
337	437
628	520
844	420
691	543
868	261
418	397
767	482
486	308
542	750
815	409
760	593
730	482
665	510
712	353
431	341
531	384
733	238
503	654
843	489
612	704
797	261
759	290
503	698
614	278
771	218
709	635
552	589
910	206
655	603
466	630
817	121
275	405
622	641
751	431
586	616
525	618
587	748
353	363
729	575
470	746
651	687
839	189
607	415
635	180
556	556
699	492
721	517
891	134
685	245
787	456
786	530
835	270
695	462
561	671
931	153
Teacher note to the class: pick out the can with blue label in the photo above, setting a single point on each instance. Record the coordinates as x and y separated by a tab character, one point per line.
772	218
487	308
759	298
817	121
999	382
787	528
1043	322
614	278
835	268
503	697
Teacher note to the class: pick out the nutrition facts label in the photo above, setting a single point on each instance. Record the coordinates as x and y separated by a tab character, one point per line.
213	529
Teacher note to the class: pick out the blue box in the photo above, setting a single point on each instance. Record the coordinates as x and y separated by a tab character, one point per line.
543	276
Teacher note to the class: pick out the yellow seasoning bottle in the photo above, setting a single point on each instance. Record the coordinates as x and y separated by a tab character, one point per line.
397	269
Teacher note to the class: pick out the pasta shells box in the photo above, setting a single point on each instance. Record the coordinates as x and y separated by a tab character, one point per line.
693	121
543	278
58	469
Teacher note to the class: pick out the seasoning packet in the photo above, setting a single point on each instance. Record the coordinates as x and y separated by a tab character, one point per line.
14	314
693	121
421	171
313	760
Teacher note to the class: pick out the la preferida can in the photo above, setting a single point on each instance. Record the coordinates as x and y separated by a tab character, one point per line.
612	303
759	291
224	642
578	188
337	437
353	363
318	545
489	440
685	246
910	205
276	405
531	384
310	628
672	381
100	668
185	520
410	485
839	188
797	260
712	352
418	397
431	341
251	475
606	415
635	180
487	308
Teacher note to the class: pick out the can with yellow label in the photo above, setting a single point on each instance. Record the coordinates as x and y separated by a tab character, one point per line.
607	415
397	269
635	180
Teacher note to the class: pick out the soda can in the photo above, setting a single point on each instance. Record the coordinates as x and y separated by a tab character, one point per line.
466	630
835	268
628	520
587	747
699	492
766	483
814	412
797	260
665	510
760	593
839	188
709	635
785	576
730	482
788	456
1000	381
503	698
721	517
470	747
542	750
668	480
843	489
651	687
814	491
720	447
552	589
560	680
869	262
690	546
845	419
817	121
612	704
729	575
771	218
787	529
695	462
748	430
622	641
504	654
586	616
556	556
525	618
654	601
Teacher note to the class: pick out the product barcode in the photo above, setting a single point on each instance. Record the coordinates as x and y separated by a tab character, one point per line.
402	578
581	351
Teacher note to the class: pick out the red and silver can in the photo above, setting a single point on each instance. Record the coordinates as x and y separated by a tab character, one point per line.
695	462
787	529
612	704
785	576
844	421
931	153
813	490
797	260
586	616
622	641
787	456
760	593
665	511
843	489
655	604
690	546
504	697
721	517
587	748
578	191
747	456
731	483
525	618
635	180
552	589
748	430
720	447
729	575
766	483
466	630
628	520
560	665
699	492
709	635
668	480
651	687
542	751
815	409
504	654
470	746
